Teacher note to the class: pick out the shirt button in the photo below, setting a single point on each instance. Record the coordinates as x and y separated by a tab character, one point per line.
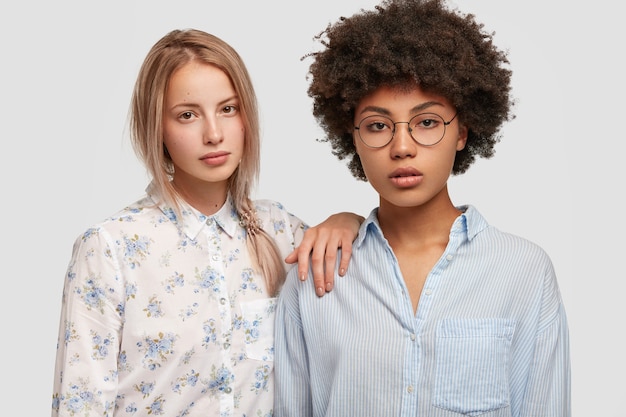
209	221
428	291
413	337
228	390
215	257
222	301
449	257
409	389
226	345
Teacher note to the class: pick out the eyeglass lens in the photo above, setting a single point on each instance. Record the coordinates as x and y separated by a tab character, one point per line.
427	129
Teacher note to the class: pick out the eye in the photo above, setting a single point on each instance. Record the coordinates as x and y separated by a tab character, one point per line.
230	110
426	121
186	115
375	124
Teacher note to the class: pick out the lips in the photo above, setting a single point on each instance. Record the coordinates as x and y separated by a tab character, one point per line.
214	154
405	172
406	177
215	158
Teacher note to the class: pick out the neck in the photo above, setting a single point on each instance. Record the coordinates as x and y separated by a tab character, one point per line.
420	224
206	198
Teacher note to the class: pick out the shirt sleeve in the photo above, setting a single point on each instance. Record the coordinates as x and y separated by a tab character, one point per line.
283	227
292	394
548	392
85	377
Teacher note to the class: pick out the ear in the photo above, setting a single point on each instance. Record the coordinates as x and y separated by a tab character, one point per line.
462	139
356	149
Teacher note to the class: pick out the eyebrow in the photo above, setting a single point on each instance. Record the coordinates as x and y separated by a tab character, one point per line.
234	98
415	109
185	105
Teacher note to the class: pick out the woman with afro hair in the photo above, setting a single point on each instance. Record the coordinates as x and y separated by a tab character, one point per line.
441	314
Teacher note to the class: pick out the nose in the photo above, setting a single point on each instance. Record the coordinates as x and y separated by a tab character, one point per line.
402	144
212	131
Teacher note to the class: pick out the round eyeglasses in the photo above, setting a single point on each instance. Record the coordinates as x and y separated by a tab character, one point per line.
427	129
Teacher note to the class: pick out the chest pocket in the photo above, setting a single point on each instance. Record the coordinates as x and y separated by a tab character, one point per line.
472	365
258	322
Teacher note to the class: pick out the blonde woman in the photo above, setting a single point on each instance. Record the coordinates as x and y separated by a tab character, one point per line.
168	305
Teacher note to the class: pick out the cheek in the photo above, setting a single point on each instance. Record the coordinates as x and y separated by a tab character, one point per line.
178	146
171	137
369	159
172	150
371	165
236	134
181	136
171	143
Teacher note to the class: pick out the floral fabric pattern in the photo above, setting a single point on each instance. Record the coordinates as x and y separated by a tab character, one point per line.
167	317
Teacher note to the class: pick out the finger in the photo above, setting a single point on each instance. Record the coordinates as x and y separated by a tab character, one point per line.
302	252
292	258
345	255
303	264
317	266
329	267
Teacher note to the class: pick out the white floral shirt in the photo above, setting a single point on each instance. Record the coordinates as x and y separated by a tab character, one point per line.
166	317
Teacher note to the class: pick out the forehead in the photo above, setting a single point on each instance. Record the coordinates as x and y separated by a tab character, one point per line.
198	74
197	82
406	99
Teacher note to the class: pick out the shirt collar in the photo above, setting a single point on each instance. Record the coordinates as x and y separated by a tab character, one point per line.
192	221
470	223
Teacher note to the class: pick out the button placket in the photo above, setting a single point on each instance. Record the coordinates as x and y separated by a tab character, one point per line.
224	304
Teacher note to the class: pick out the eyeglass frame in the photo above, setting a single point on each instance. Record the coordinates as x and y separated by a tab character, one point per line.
393	132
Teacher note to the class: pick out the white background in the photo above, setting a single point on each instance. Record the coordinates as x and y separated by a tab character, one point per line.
66	76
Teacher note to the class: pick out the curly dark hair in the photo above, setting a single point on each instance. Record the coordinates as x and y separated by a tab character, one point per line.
406	41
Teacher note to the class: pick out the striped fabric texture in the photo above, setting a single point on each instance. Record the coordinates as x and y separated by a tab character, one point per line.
489	337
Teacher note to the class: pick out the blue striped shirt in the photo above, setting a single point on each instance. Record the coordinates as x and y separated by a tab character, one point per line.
489	336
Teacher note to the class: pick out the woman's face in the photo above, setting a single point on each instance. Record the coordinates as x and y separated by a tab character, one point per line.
404	172
203	128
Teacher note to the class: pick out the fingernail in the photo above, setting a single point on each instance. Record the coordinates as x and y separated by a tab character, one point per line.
320	291
329	286
302	277
342	271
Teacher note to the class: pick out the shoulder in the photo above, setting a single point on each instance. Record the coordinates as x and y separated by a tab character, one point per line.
493	241
140	215
511	255
274	216
268	206
516	245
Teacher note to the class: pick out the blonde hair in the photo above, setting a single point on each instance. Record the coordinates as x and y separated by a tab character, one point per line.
171	52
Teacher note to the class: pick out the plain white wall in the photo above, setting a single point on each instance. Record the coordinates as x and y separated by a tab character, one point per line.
66	76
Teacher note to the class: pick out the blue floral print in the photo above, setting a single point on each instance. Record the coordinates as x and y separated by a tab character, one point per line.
171	309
